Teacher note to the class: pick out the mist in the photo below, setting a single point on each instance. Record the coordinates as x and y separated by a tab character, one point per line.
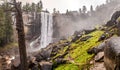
73	21
63	5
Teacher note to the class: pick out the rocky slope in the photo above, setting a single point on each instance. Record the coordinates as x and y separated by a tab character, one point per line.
77	57
67	54
71	54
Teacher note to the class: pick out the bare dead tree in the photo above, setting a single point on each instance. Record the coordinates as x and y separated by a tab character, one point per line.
21	34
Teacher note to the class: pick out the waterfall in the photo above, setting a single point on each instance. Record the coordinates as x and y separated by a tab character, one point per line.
46	29
46	32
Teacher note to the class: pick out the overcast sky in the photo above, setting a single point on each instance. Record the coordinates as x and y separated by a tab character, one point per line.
62	5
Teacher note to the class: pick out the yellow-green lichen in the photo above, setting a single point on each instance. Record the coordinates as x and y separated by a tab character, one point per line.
67	67
78	52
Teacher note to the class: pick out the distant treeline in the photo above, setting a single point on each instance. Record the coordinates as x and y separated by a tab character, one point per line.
6	30
33	7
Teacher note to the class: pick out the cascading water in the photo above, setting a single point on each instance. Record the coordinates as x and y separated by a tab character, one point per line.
46	29
46	32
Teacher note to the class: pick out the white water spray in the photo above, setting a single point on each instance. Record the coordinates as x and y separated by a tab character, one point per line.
46	29
46	32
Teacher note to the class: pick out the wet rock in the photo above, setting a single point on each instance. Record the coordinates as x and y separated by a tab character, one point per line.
114	18
106	35
99	57
44	54
39	57
110	23
59	47
85	38
102	37
60	61
92	51
89	31
76	38
97	49
45	65
77	35
61	56
55	50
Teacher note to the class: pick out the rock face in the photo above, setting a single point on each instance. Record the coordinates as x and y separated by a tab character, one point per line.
45	65
32	22
98	66
112	54
118	27
99	57
97	49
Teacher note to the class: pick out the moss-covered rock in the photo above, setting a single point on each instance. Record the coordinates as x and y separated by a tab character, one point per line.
77	56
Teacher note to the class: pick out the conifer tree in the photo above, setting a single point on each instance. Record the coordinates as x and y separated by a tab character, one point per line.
80	11
84	9
91	8
39	6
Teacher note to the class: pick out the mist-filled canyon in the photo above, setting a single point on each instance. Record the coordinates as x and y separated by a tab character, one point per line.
66	24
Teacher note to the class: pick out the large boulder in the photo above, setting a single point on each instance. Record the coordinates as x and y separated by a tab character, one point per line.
113	19
118	26
45	65
110	23
112	54
97	49
111	50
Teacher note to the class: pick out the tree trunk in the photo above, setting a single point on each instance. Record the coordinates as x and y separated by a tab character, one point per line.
21	38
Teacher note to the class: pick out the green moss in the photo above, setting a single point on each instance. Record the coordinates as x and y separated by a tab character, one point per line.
78	52
68	67
61	52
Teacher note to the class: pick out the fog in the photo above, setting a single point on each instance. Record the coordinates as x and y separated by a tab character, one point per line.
65	24
63	5
74	21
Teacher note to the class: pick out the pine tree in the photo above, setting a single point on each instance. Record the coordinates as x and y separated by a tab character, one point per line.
39	6
6	24
27	7
80	11
67	11
33	7
91	8
2	27
84	9
54	10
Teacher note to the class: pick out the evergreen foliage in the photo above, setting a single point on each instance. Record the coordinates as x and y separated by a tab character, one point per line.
6	30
